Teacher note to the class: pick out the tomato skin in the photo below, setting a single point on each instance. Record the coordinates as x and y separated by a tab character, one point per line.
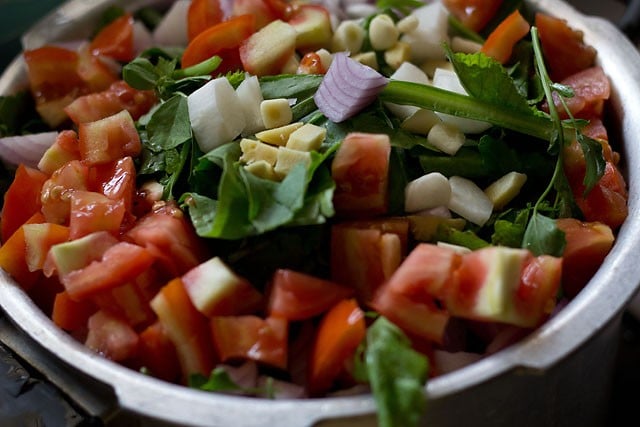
251	337
222	39
201	15
13	253
298	296
499	45
95	73
261	10
340	332
588	243
38	240
111	337
117	181
186	327
111	100
109	139
71	315
591	89
564	49
474	14
311	63
22	199
120	264
57	191
126	301
115	40
360	169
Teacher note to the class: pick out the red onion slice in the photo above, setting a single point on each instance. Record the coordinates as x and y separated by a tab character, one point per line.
347	88
26	149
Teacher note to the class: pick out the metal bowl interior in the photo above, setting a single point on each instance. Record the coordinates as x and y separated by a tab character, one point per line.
599	304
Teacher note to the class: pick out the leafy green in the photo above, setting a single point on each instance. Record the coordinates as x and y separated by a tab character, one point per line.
169	126
18	115
397	375
510	232
300	87
466	238
404	6
248	205
220	381
542	236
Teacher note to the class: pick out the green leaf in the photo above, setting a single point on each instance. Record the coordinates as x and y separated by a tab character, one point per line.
466	238
140	74
169	127
510	232
397	375
543	237
289	85
596	164
404	6
219	380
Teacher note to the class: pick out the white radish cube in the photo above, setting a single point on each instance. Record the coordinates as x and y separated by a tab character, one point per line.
275	112
250	97
427	192
307	138
420	122
448	80
216	114
432	31
446	138
469	201
172	29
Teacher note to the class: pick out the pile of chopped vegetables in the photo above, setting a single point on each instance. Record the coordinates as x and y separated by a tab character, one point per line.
284	199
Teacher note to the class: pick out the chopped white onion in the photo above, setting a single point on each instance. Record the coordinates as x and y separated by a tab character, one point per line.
347	88
26	149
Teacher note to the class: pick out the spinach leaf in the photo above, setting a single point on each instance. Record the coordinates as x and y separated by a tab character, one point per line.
169	126
542	236
510	232
18	115
404	6
466	238
595	162
397	375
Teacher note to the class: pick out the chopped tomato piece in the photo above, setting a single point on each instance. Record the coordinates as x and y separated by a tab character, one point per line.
299	296
341	331
62	151
71	315
13	256
119	264
222	39
167	235
203	14
564	49
97	74
588	243
57	190
115	40
111	337
474	14
186	327
38	240
591	88
261	10
252	338
158	354
22	199
109	139
499	45
91	212
360	169
117	97
117	181
311	63
128	302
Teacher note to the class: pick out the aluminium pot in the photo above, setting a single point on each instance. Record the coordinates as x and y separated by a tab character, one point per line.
560	374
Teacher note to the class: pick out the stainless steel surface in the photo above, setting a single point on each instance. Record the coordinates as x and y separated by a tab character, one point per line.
558	375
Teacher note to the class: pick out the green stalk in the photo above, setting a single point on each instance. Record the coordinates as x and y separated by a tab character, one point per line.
444	101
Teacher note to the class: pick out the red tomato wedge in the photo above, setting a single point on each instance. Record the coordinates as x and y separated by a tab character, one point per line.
158	354
251	338
261	10
564	49
187	329
57	190
117	181
222	39
499	45
109	139
115	40
22	199
299	296
474	14
591	88
361	172
91	212
341	331
111	336
13	256
71	315
38	240
201	15
117	97
119	264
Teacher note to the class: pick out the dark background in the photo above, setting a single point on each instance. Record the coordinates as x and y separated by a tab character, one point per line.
27	399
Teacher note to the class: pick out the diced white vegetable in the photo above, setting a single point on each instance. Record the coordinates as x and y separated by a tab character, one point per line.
216	114
262	169
288	158
426	40
172	29
275	112
142	38
367	58
325	58
469	201
428	191
280	135
307	138
420	122
460	44
397	55
359	10
505	189
408	24
448	80
446	138
407	72
457	248
432	65
383	32
250	97
348	37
